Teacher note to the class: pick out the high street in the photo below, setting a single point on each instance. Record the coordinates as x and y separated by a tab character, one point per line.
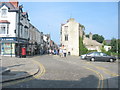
69	72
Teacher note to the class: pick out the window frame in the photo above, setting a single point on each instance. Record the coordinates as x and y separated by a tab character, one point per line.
4	12
66	37
6	25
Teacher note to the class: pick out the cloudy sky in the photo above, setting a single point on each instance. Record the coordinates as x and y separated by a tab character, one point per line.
97	17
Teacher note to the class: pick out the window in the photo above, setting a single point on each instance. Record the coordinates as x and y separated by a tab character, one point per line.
103	54
2	29
7	29
21	30
65	29
4	13
66	37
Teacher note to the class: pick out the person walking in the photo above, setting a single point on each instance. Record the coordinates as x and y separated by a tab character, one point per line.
61	52
64	52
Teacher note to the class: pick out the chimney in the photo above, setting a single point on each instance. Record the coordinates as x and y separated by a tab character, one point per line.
14	3
90	35
71	19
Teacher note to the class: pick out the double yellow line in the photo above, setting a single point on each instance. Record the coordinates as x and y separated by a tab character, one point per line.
101	78
37	75
42	70
104	69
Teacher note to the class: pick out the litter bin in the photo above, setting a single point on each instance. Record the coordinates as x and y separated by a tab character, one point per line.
68	53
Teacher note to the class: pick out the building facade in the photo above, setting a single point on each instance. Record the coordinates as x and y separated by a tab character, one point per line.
70	34
17	32
14	28
8	27
91	44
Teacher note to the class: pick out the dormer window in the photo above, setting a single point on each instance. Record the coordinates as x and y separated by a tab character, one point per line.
4	13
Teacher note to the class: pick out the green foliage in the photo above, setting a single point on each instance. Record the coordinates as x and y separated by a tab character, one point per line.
104	51
82	48
113	45
98	38
104	42
91	51
119	48
82	26
87	35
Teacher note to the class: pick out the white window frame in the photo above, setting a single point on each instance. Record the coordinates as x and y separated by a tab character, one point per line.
6	25
4	13
1	27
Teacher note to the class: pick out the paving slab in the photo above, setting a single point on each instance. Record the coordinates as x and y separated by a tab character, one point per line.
19	68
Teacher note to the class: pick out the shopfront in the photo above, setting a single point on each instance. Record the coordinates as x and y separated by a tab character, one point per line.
7	47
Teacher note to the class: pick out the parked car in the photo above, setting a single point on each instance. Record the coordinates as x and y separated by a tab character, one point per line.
83	56
99	56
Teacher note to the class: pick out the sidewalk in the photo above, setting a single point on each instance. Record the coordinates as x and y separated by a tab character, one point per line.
13	68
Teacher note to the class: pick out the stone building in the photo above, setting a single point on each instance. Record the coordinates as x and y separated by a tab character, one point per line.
70	33
91	44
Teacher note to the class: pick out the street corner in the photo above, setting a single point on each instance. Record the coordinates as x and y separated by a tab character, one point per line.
18	70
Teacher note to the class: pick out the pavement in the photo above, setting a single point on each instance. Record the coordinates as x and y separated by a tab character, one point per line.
13	68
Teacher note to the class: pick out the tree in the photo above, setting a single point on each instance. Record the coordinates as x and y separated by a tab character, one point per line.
82	26
82	48
114	45
98	38
104	42
87	35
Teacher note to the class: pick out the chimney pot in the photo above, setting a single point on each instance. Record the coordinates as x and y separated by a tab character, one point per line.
14	2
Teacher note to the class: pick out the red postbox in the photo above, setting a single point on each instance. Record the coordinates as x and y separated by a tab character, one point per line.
23	51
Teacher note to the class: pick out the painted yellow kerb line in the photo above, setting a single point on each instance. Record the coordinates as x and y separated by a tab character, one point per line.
100	83
105	70
42	71
42	68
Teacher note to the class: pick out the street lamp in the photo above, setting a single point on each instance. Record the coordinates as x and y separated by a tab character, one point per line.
20	7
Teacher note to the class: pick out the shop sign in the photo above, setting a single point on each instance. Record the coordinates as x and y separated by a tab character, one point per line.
8	39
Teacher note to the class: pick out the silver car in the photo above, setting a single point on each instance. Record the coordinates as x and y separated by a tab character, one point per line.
83	56
99	56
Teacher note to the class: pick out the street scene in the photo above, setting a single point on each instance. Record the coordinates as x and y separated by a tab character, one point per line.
57	72
59	45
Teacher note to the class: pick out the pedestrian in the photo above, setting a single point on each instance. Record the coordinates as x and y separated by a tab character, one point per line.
64	52
61	52
49	51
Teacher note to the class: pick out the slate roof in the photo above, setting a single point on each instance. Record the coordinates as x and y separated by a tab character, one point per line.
108	41
9	5
90	42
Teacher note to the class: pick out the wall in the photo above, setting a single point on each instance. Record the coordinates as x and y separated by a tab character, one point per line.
72	45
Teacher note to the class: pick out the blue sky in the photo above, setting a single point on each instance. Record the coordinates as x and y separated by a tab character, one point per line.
97	17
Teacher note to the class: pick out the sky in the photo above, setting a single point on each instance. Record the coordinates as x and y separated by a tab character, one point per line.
97	17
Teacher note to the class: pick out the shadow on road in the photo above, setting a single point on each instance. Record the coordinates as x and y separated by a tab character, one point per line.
90	81
87	82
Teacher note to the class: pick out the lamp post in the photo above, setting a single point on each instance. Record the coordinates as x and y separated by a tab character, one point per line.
20	7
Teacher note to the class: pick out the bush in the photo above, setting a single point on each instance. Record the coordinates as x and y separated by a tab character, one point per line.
89	51
104	51
82	48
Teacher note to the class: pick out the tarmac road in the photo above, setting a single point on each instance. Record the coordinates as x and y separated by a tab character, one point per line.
71	72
